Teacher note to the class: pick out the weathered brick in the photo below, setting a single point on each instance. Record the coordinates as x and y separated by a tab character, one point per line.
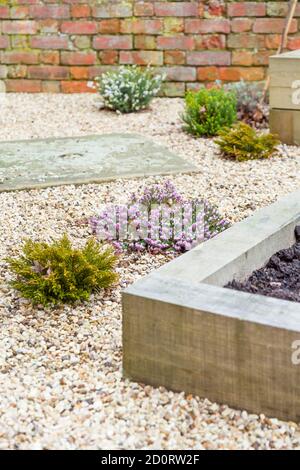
242	73
109	57
48	26
208	58
79	73
180	74
49	11
18	12
174	57
272	41
208	74
176	9
48	72
112	42
143	9
122	9
110	26
273	25
4	42
17	71
23	86
141	26
194	26
173	89
76	87
145	42
19	27
3	71
280	9
246	41
246	9
49	57
49	42
22	57
141	57
49	86
80	11
210	41
4	12
78	58
173	25
242	58
79	27
241	25
176	42
82	42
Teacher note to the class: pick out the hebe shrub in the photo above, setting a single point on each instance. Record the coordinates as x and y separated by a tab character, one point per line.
242	142
209	110
158	211
129	89
56	273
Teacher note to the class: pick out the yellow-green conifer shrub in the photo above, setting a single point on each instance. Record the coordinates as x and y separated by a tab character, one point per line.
242	142
58	273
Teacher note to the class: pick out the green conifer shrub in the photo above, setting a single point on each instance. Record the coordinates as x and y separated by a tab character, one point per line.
58	273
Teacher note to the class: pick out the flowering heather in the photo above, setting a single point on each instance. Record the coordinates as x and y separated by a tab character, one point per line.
158	220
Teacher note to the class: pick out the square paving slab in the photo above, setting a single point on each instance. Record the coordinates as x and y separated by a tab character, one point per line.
90	159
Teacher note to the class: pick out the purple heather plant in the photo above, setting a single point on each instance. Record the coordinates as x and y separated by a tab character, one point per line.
159	220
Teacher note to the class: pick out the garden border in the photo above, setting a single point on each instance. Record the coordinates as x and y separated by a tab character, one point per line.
184	331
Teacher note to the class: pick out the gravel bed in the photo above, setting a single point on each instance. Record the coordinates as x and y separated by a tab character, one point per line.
61	383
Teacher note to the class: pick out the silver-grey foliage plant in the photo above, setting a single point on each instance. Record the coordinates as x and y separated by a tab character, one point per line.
129	89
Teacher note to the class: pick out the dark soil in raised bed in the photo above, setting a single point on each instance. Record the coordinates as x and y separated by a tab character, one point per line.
279	278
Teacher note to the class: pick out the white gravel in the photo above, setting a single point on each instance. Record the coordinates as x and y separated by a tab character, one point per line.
60	370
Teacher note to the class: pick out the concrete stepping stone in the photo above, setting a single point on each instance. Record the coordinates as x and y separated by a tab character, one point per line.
90	159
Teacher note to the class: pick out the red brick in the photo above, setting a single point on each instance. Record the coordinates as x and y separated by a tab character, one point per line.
215	8
49	42
48	72
246	41
19	27
272	25
181	74
48	26
80	11
246	9
241	73
176	9
242	58
210	41
111	26
79	27
208	58
111	10
145	42
76	87
79	73
109	57
176	42
141	57
143	9
78	58
18	12
262	57
141	26
241	25
293	43
112	42
4	42
23	86
50	87
207	26
49	11
49	57
272	41
174	57
4	12
208	74
15	57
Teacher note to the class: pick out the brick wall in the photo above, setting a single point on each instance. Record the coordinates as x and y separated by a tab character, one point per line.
59	45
